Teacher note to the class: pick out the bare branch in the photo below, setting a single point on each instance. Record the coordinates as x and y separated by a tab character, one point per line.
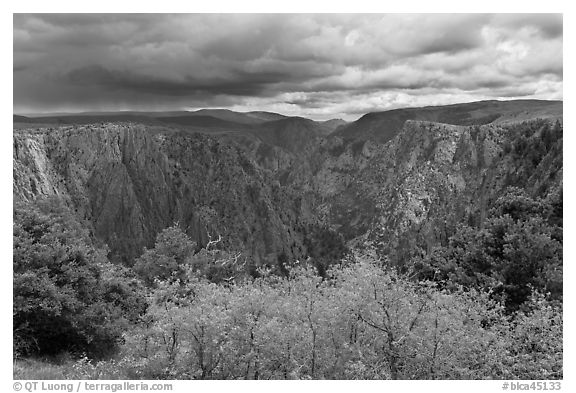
213	242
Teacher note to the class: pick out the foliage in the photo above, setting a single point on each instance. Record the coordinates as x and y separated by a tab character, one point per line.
519	249
536	334
325	247
532	140
170	252
175	254
218	266
67	296
361	322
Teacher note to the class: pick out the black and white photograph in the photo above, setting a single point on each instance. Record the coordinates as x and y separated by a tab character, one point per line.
287	196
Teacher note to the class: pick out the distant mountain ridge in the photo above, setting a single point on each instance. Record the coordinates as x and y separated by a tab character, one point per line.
254	117
398	180
377	126
383	126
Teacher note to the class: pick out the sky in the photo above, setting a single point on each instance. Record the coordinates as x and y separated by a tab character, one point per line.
320	66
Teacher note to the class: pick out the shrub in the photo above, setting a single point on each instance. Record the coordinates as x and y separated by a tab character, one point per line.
362	322
67	296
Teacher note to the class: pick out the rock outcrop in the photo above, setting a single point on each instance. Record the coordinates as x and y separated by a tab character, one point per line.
130	183
398	181
414	191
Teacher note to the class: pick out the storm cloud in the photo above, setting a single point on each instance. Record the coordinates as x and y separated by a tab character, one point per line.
321	66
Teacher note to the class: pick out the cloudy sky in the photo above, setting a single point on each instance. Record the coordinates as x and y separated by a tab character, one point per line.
319	66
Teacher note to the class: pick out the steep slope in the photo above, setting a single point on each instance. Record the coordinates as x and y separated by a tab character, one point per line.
383	126
204	123
292	134
283	147
21	119
329	126
422	183
325	165
265	116
130	184
397	184
226	115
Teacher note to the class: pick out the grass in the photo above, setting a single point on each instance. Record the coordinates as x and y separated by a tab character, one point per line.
51	369
37	369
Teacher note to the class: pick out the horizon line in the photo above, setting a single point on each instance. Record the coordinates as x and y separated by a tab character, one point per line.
111	112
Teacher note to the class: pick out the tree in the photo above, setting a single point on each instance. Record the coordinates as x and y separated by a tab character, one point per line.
174	255
166	259
325	247
361	322
67	295
518	250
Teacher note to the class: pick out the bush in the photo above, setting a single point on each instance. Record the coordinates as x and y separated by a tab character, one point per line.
519	249
361	323
174	254
67	296
166	259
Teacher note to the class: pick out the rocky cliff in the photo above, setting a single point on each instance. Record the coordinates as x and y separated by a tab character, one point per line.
383	126
416	188
129	184
398	185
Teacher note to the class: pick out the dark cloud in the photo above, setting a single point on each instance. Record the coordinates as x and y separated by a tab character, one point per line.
317	65
237	83
549	26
